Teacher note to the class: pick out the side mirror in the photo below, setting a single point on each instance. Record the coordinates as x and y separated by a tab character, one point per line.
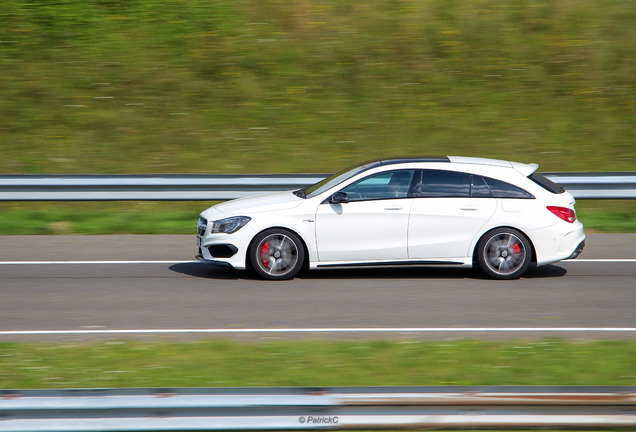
339	198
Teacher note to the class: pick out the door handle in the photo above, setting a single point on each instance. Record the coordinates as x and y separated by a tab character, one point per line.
469	208
392	208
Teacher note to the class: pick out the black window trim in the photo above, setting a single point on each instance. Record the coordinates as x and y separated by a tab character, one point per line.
419	171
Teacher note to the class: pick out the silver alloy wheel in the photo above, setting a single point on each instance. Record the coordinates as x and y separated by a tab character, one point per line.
504	253
277	255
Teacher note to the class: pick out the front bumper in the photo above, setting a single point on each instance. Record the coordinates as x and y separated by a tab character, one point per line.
217	254
227	250
225	264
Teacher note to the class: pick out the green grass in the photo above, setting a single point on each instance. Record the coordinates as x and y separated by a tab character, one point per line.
181	217
268	86
607	215
222	363
100	218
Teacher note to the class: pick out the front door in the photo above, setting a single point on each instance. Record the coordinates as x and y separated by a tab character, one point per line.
372	226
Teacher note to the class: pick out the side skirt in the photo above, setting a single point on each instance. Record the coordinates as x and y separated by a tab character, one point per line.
393	264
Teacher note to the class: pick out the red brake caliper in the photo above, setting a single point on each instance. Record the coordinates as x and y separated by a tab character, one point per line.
516	249
265	254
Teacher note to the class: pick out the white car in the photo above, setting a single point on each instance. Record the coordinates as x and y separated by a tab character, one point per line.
450	211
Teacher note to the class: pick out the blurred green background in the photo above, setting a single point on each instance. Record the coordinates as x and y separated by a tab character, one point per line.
283	86
229	363
227	86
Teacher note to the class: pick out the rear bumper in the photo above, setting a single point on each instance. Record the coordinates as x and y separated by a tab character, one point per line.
559	242
578	250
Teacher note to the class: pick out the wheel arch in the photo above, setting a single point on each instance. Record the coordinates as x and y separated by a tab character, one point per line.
534	250
248	263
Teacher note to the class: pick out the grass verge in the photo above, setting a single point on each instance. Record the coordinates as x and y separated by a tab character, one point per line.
223	363
154	86
181	217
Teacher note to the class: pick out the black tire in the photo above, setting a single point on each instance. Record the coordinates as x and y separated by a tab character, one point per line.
504	253
277	254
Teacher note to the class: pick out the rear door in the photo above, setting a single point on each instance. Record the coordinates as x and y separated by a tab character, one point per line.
445	215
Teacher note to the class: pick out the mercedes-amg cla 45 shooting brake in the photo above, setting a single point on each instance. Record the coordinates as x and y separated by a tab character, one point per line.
449	212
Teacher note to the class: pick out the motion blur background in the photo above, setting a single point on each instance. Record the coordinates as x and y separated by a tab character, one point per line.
289	86
292	86
225	86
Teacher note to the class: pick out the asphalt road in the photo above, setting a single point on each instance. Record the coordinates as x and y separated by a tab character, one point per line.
584	298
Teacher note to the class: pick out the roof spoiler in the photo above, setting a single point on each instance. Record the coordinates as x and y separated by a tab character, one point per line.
525	169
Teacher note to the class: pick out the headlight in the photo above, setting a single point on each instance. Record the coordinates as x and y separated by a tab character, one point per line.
202	225
229	225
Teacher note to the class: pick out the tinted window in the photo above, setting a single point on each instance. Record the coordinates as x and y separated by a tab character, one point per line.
501	189
546	183
386	185
479	188
435	183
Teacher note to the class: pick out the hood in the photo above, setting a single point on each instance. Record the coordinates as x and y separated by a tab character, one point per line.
260	203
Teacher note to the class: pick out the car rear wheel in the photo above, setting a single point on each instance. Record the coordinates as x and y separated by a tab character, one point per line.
277	254
504	253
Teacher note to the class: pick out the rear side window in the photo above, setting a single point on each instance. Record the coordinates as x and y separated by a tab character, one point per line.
479	189
501	189
546	183
437	183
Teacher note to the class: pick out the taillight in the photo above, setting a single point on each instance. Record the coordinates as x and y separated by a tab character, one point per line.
564	213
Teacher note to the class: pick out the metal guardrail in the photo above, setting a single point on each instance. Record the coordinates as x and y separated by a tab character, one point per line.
589	185
317	408
147	187
597	185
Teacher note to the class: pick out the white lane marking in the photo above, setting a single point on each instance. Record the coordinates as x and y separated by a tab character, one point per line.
321	330
92	262
600	260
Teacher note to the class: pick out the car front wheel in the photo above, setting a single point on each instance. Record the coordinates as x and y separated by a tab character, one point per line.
504	253
277	254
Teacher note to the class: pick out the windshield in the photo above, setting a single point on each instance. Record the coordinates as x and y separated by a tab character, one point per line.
333	180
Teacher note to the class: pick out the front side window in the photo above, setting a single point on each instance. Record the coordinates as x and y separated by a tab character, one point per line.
386	185
331	181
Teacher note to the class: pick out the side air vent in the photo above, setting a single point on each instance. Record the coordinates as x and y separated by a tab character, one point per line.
222	251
